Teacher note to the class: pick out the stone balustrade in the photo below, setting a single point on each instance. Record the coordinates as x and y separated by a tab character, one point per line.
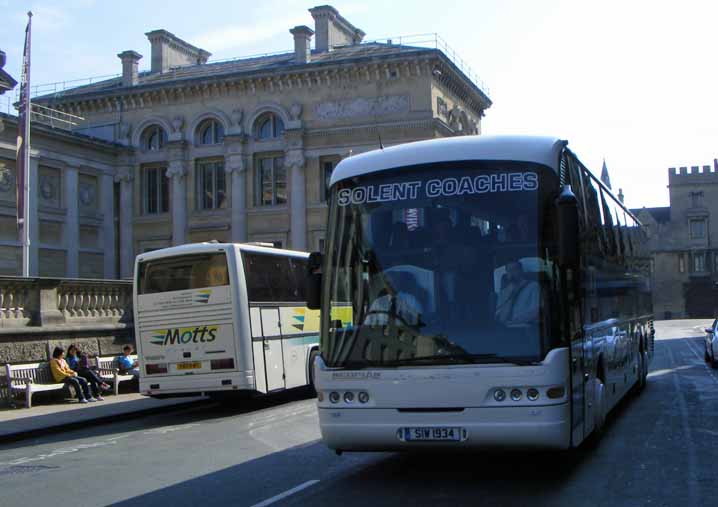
39	314
42	302
15	301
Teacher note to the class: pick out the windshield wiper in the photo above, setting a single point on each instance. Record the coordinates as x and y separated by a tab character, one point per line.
458	358
495	358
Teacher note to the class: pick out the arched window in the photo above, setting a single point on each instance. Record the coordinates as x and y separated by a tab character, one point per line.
210	132
154	138
269	126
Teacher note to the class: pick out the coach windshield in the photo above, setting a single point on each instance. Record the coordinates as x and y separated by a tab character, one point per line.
441	264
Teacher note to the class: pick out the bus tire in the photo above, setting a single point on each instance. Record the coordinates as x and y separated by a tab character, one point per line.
312	357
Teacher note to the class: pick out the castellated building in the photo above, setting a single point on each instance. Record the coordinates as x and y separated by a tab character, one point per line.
238	150
684	244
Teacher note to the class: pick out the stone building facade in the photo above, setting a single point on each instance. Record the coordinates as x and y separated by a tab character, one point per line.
684	244
239	150
72	212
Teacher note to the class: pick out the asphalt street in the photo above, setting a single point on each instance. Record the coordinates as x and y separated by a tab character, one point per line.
658	449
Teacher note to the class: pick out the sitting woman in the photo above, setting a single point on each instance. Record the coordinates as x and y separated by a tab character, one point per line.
79	362
61	372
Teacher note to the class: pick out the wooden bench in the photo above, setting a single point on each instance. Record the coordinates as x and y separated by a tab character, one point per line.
30	378
109	369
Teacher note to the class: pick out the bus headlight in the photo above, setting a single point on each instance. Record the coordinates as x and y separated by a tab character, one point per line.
556	392
348	397
334	397
532	394
516	394
499	395
363	397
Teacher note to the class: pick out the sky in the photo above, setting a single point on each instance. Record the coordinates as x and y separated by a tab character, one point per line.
633	82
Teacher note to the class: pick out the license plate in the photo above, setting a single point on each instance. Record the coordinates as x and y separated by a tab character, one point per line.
195	365
432	434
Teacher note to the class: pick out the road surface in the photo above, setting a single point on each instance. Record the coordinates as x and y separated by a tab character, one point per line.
658	449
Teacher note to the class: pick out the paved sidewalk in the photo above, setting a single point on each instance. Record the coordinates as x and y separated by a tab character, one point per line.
21	422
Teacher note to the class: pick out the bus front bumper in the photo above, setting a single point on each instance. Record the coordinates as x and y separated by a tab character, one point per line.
540	427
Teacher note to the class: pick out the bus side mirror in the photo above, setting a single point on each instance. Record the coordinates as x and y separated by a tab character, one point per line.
567	215
314	280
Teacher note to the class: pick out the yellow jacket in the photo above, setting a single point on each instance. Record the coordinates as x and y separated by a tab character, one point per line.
60	370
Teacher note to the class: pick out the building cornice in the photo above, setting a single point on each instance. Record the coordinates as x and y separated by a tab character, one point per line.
422	62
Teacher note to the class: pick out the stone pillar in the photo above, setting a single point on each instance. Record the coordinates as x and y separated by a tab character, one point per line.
176	172
127	251
236	170
72	222
297	200
33	218
107	200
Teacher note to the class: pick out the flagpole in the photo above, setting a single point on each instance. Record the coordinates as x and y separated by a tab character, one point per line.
26	155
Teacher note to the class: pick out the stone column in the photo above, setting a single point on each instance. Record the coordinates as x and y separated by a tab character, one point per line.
127	251
107	193
297	200
176	172
236	171
72	222
33	218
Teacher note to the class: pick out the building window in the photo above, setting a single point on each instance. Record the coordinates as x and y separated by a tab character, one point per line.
210	132
326	167
681	263
271	181
154	138
269	126
699	262
696	199
210	184
155	192
697	228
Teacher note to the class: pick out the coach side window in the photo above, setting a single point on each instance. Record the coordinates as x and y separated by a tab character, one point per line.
597	238
274	278
608	226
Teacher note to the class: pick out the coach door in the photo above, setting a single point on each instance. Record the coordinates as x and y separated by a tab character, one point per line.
272	344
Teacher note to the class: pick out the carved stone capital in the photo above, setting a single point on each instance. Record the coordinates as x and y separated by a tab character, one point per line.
176	129
295	112
125	132
124	174
235	127
176	169
294	158
235	164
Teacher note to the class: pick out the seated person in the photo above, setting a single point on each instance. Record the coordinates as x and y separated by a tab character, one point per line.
79	362
518	300
61	372
127	365
399	300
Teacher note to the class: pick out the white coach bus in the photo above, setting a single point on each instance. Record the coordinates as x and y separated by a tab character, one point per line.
499	298
213	317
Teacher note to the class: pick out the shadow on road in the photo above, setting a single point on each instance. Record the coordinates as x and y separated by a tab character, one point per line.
174	416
